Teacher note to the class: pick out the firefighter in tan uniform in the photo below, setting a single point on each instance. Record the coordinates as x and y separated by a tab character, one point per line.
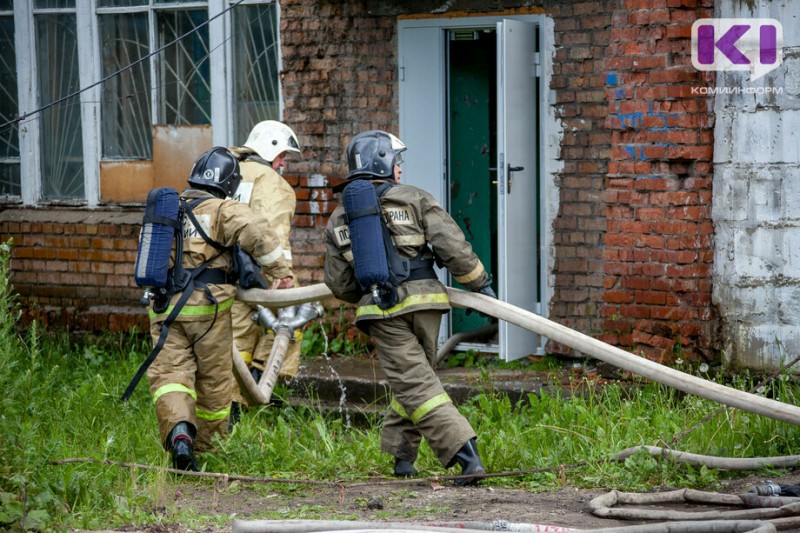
263	188
406	333
191	379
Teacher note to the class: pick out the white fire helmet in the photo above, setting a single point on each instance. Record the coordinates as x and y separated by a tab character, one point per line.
270	138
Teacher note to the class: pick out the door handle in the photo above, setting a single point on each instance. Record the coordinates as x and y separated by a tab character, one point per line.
509	178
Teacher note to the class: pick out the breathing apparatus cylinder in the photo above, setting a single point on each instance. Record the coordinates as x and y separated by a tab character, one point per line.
160	226
363	210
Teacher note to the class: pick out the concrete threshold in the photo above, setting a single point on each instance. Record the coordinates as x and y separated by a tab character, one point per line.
360	384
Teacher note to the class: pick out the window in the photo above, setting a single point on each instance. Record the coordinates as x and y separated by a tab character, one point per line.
183	86
184	76
61	148
9	104
163	62
255	82
126	96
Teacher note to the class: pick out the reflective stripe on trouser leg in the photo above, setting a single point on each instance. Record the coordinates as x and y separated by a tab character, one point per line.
214	382
426	407
406	346
172	377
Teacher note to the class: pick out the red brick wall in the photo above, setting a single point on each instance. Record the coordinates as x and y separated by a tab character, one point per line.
659	235
340	66
582	35
75	269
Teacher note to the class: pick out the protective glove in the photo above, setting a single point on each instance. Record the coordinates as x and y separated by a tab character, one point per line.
486	290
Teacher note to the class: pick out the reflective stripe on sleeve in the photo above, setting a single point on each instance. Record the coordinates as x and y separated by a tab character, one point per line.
268	259
173	387
472	276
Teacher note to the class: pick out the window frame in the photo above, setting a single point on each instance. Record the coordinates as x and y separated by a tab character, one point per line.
90	72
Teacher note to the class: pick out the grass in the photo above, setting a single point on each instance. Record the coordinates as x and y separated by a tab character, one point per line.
59	398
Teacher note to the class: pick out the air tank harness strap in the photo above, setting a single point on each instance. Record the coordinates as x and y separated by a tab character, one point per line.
254	157
421	267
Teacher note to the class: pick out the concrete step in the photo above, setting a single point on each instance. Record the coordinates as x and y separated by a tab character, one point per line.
353	384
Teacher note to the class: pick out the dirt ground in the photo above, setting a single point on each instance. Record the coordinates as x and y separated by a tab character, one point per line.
417	502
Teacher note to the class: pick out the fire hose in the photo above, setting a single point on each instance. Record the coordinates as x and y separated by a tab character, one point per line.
345	526
621	359
290	318
569	337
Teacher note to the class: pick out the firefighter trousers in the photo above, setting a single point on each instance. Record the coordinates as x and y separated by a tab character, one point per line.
193	382
406	347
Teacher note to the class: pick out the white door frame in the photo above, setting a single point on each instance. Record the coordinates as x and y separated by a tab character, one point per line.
423	120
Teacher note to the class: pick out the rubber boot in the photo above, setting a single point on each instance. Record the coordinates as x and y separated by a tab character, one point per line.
236	415
467	458
404	468
181	440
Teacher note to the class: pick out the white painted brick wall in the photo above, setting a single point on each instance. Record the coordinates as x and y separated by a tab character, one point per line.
756	204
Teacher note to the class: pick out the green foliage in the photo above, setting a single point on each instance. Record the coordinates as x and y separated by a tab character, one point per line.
332	337
59	399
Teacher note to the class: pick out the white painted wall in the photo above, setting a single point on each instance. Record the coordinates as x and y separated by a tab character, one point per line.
756	203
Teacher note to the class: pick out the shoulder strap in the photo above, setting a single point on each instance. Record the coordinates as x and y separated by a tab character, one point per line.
254	157
383	188
187	208
380	190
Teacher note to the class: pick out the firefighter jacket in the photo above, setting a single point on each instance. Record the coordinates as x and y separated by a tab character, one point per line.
415	220
226	222
268	195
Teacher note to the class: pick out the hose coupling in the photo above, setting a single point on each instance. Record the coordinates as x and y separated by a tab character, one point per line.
770	488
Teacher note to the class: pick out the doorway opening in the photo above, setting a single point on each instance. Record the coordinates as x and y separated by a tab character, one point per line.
471	105
472	161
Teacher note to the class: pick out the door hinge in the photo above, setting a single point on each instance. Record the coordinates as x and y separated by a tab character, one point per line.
537	65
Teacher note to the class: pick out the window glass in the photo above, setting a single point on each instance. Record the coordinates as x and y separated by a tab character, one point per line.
121	3
255	75
9	135
61	144
6	5
42	4
126	97
184	76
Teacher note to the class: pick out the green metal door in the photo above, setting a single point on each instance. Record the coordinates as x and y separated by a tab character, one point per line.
472	133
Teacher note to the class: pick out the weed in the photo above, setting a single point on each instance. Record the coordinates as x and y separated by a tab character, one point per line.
333	337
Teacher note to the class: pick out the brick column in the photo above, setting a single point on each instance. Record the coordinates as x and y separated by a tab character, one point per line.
659	235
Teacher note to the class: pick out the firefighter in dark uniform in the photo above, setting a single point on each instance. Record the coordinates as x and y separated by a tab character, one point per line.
406	333
191	379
